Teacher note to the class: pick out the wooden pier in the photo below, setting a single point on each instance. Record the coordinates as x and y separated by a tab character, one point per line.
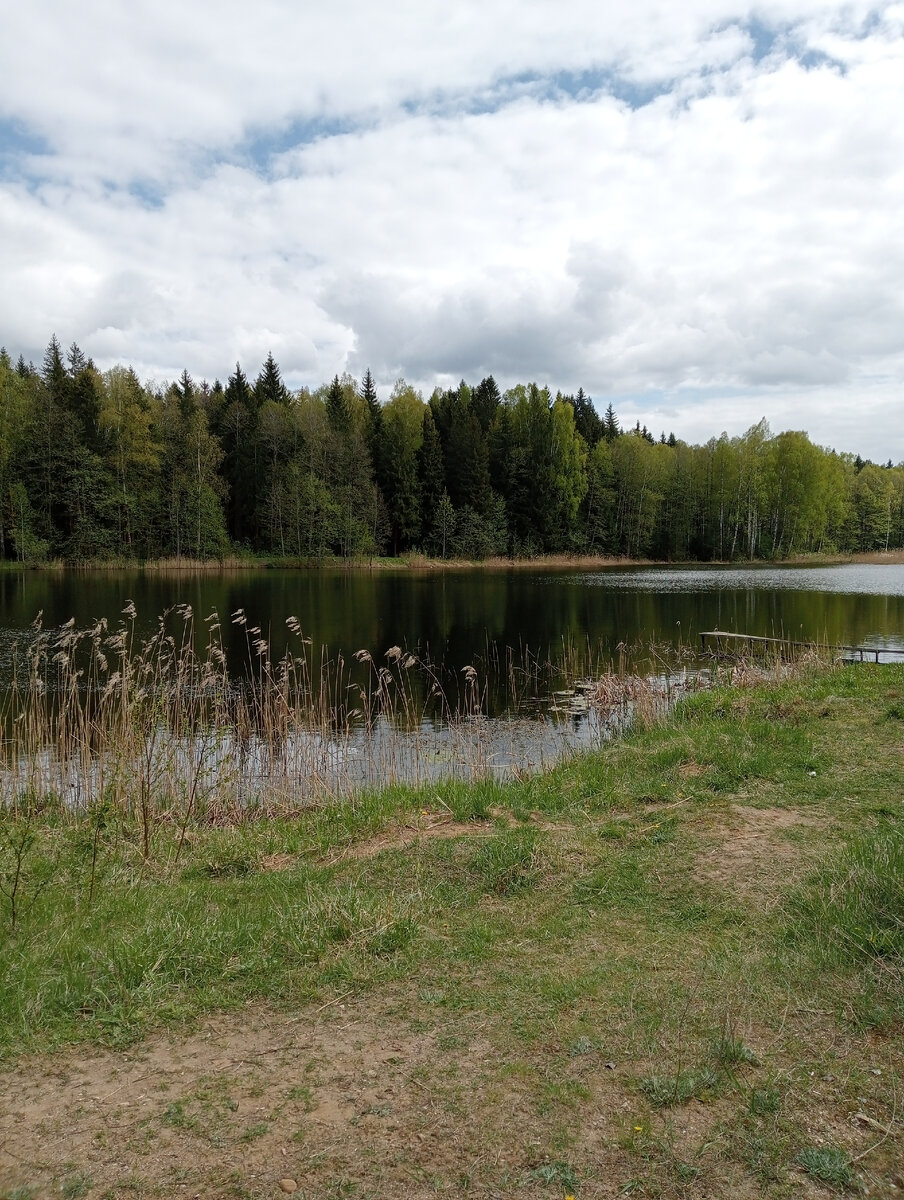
739	645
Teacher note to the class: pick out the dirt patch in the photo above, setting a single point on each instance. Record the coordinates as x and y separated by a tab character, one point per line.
691	770
353	1099
278	862
340	1100
753	851
426	827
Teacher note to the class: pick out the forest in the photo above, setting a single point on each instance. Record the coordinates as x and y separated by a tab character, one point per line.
97	466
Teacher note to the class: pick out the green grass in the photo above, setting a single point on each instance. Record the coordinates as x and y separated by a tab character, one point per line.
163	941
852	908
599	926
828	1164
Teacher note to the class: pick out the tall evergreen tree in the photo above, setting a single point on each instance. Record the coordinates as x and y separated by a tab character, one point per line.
238	428
269	385
337	408
611	427
371	400
485	401
586	419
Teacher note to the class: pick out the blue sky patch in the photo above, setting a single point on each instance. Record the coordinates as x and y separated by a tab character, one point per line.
260	147
17	144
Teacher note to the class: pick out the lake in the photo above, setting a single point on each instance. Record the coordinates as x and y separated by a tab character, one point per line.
526	632
458	616
495	620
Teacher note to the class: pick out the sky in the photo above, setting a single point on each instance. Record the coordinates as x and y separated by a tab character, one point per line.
694	211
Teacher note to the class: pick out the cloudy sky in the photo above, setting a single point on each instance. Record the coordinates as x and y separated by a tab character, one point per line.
694	210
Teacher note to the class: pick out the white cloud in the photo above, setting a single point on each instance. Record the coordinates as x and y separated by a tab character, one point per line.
427	190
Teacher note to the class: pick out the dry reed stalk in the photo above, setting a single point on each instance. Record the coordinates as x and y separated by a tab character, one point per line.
160	731
155	726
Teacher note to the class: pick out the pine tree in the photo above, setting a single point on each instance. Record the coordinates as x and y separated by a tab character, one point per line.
611	427
269	384
485	400
337	409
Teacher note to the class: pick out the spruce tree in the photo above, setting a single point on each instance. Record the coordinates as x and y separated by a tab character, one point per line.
337	408
369	395
586	418
611	427
374	413
77	360
269	384
485	400
54	372
237	426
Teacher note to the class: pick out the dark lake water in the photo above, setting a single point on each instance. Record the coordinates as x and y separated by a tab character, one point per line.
460	617
526	633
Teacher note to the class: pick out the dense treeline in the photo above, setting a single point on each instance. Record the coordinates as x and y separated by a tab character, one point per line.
97	465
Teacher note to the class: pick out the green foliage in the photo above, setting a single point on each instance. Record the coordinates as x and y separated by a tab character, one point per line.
560	1174
26	868
98	466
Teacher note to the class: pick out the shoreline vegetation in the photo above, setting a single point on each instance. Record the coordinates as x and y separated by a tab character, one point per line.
677	961
421	562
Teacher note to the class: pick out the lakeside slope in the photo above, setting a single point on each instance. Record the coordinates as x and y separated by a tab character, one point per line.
671	968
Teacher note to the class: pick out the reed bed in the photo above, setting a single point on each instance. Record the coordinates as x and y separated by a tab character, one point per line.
159	726
150	727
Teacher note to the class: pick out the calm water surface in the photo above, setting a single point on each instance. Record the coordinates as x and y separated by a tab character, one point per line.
502	622
460	617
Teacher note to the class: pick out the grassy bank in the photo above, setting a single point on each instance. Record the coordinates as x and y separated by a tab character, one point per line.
673	968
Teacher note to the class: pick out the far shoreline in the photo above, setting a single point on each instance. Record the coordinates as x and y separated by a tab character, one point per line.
421	563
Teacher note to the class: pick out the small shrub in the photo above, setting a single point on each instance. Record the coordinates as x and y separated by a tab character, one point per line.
229	868
582	1045
829	1164
731	1051
393	937
555	1173
75	1186
663	1090
764	1102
